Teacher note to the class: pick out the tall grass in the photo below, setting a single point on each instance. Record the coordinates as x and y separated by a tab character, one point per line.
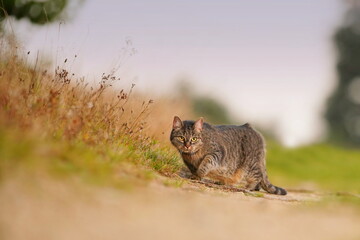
54	123
52	120
61	106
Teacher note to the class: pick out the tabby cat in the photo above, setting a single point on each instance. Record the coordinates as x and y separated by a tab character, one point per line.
231	155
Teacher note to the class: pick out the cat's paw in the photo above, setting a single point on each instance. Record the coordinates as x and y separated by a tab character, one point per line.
194	177
201	172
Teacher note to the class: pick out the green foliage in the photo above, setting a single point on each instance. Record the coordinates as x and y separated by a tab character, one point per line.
208	107
174	182
211	109
118	165
162	160
38	12
343	113
323	165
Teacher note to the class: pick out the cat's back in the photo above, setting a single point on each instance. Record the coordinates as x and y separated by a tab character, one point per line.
233	128
238	132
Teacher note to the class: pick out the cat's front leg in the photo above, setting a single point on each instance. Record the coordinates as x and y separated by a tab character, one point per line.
192	169
210	163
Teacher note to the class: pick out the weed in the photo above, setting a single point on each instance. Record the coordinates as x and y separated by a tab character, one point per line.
67	126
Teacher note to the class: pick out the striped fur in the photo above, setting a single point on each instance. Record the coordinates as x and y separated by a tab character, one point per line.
229	154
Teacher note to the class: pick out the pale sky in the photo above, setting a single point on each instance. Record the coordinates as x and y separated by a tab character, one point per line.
271	61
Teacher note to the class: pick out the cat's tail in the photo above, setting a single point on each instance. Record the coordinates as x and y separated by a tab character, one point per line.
267	186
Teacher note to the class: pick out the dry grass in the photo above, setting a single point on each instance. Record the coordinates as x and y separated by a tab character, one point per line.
57	105
33	99
114	131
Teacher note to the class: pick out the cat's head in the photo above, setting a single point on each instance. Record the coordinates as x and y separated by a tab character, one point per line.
186	136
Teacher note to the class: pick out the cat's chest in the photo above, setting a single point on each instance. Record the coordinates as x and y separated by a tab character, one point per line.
193	159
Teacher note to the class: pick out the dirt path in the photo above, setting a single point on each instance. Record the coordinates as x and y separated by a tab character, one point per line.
52	210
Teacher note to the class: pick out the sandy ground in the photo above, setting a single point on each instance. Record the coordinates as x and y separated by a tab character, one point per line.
53	210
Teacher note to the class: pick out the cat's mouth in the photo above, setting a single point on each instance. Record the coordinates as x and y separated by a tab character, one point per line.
189	151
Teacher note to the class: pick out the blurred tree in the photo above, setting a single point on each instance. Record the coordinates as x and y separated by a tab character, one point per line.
213	111
208	107
343	112
37	12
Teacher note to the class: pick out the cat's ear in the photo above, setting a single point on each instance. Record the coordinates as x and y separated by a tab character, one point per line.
198	125
177	123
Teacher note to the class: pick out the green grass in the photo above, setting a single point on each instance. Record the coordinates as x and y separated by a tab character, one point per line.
117	165
324	166
328	167
174	182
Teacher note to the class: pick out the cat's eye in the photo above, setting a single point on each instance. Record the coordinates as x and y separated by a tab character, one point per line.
182	139
194	139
